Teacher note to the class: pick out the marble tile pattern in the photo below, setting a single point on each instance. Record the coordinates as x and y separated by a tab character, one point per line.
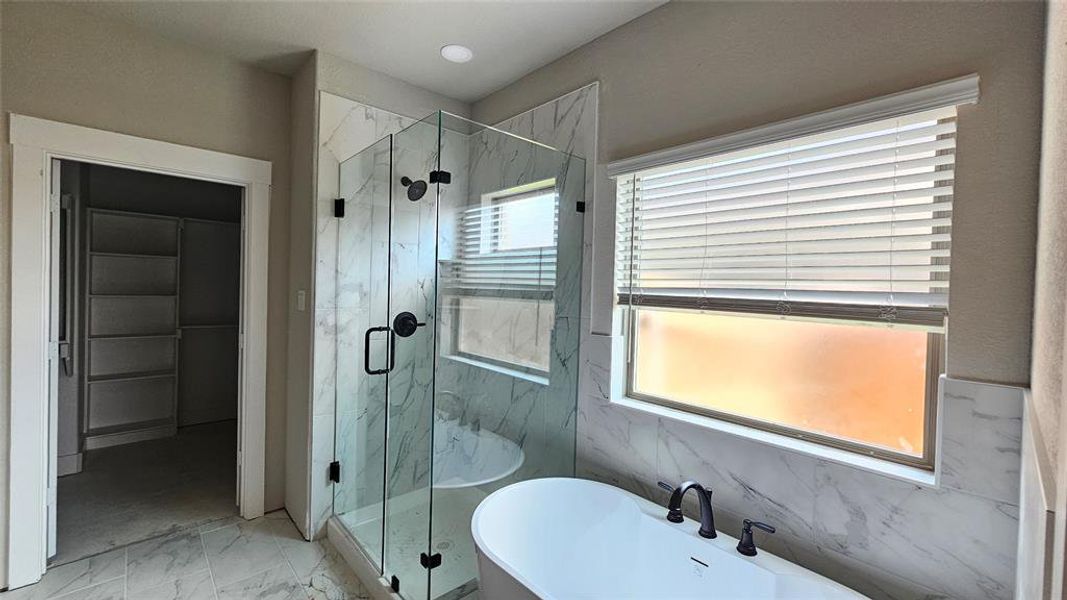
350	294
346	250
262	559
885	537
540	417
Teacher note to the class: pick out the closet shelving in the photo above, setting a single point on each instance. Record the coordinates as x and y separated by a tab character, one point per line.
140	303
131	333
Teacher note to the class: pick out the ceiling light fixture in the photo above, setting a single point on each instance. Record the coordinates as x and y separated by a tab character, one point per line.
456	53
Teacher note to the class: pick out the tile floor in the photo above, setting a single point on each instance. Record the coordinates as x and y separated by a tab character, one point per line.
134	492
229	559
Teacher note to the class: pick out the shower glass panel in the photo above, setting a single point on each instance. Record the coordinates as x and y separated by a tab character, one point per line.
463	267
412	280
362	302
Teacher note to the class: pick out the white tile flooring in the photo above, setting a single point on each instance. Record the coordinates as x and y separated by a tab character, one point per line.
229	559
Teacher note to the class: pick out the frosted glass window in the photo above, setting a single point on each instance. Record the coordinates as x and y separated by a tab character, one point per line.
856	382
509	331
798	284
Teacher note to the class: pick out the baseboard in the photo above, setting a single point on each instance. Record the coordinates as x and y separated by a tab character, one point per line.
361	565
69	464
106	440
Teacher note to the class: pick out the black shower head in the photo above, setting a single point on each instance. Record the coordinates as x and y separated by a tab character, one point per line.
416	189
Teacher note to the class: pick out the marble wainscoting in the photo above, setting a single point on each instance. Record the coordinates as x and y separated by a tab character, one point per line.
887	537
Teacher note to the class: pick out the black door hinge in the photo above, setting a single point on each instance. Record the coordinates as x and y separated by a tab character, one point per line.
335	472
440	177
580	206
395	584
339	208
431	561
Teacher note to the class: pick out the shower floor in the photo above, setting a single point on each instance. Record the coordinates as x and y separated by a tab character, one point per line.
407	540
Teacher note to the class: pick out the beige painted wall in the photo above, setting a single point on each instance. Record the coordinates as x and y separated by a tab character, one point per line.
5	308
1049	385
688	71
1051	276
62	64
301	232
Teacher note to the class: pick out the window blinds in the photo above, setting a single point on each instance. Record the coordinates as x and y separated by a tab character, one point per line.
857	217
507	246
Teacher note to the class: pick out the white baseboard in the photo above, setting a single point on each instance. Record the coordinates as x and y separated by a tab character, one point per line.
364	569
69	464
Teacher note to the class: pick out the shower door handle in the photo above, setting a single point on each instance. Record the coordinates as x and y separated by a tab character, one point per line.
366	351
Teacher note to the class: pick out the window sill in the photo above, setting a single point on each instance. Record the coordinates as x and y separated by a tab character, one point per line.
790	444
538	379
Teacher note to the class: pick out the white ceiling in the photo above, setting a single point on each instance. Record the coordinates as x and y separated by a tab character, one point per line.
402	39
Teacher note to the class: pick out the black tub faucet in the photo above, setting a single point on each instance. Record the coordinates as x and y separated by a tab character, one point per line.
747	545
674	507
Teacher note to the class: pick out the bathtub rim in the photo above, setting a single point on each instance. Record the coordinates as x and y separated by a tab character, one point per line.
724	542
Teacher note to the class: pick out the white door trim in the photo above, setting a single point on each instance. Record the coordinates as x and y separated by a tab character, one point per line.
34	143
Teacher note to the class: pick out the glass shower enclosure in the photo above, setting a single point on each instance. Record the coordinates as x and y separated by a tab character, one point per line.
458	293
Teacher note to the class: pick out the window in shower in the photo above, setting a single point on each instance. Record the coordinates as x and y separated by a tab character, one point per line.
504	276
798	286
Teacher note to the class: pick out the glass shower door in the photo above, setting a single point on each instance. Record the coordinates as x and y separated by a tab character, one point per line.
361	311
413	315
509	244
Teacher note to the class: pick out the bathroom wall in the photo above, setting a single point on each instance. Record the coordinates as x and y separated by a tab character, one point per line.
1049	298
691	70
1050	291
138	83
883	533
885	536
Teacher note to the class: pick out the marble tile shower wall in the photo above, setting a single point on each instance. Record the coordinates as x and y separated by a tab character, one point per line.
345	297
536	414
343	313
568	123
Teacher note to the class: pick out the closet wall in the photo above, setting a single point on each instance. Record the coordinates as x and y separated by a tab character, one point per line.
157	306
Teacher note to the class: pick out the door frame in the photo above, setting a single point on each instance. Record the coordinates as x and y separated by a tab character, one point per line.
34	143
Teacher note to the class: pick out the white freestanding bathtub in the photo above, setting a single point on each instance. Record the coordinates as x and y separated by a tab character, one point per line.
572	538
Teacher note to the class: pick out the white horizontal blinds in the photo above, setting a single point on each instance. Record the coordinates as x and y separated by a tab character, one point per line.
856	215
507	245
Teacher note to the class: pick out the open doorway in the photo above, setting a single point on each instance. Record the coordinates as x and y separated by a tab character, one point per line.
146	315
38	149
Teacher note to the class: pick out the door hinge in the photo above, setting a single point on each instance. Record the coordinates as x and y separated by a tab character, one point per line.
395	584
440	177
335	472
430	561
580	206
339	208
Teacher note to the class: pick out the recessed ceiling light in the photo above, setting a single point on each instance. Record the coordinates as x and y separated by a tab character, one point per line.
456	53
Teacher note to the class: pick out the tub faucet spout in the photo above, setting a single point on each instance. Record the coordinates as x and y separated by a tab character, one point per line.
674	506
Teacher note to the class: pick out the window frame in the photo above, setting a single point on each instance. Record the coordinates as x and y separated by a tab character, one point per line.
454	297
935	361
